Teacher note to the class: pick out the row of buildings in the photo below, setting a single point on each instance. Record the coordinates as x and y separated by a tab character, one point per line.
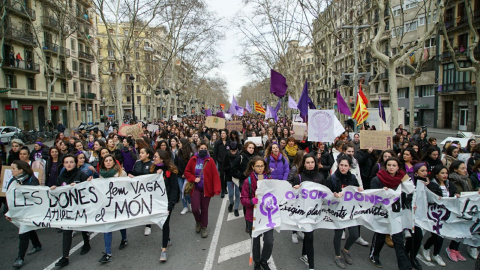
64	47
443	96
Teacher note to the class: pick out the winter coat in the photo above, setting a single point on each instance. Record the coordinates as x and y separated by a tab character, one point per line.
335	183
181	164
471	162
129	158
219	152
42	153
142	168
248	192
240	165
171	185
117	154
292	174
227	165
475	180
365	162
452	190
354	169
211	178
448	160
432	163
279	167
48	165
312	176
326	159
462	182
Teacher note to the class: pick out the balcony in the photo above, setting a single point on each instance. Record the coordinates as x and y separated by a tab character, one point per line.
383	76
85	56
37	95
55	49
18	36
147	48
51	23
27	67
86	76
18	8
60	73
88	95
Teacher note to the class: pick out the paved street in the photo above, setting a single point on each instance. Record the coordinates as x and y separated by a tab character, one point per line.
227	247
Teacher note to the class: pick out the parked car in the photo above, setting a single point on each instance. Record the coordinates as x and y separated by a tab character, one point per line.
7	132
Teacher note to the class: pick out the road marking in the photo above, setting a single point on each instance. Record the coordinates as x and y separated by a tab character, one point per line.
424	261
75	248
235	250
216	235
231	216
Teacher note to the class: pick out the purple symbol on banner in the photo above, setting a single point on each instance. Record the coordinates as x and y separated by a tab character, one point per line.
437	213
321	122
268	207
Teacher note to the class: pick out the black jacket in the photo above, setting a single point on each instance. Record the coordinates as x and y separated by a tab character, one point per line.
171	185
141	168
43	152
337	181
48	165
312	176
326	159
435	188
227	164
76	176
117	154
181	163
219	151
240	164
366	162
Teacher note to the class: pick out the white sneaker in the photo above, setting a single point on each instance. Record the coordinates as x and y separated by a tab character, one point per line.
294	238
304	259
473	252
343	235
184	211
362	242
439	260
301	235
426	254
148	231
190	207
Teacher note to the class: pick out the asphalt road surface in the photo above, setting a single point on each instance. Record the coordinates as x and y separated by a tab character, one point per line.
227	247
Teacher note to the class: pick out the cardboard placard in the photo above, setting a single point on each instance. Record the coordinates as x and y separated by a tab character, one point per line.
215	122
234	125
256	140
179	120
174	118
300	130
134	130
152	128
6	175
378	140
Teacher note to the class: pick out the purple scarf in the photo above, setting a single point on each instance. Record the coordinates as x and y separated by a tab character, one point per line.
198	170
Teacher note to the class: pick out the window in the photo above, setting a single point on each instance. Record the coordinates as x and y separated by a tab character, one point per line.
138	89
430	42
139	99
411	26
397	11
110	30
31	83
11	80
125	33
129	99
76	109
421	20
137	44
74	65
75	86
402	92
137	55
72	44
63	86
417	92
397	32
410	4
428	91
111	53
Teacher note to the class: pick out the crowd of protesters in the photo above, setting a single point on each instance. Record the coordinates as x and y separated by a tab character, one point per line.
224	163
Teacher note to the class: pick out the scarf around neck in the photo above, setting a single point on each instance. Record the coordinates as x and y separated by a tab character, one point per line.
390	181
107	173
22	177
291	150
462	180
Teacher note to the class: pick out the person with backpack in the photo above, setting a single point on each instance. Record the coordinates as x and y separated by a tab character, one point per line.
277	162
257	170
308	171
219	152
233	189
23	175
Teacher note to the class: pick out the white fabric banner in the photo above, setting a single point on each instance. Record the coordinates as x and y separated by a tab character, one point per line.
313	206
101	205
323	126
453	218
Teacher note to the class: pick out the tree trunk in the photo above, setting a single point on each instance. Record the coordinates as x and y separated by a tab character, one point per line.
392	85
167	107
119	98
49	101
411	102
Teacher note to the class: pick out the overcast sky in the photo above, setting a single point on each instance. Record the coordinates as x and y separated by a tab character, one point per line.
231	70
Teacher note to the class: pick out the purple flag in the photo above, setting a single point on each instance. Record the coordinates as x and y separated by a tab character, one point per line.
278	84
292	104
342	105
220	114
247	107
274	113
208	112
239	110
232	110
381	110
279	104
268	112
304	102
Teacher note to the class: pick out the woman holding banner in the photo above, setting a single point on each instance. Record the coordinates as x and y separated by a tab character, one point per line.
162	163
308	171
342	177
390	176
71	176
201	171
23	175
257	170
110	168
35	165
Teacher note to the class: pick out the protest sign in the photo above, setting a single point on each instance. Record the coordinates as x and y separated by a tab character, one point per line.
452	217
256	140
378	140
152	128
299	130
215	122
101	205
323	126
174	117
179	120
313	206
134	130
6	175
234	125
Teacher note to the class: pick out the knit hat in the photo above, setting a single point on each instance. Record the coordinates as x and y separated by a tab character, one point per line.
233	146
417	166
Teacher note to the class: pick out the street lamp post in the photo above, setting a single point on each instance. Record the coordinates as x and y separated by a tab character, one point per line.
103	101
132	79
140	104
355	66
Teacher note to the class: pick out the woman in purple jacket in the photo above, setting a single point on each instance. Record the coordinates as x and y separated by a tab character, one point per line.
129	155
277	162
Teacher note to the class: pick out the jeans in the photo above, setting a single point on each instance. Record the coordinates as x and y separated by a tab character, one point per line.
185	199
107	238
353	235
23	243
67	241
231	188
200	205
436	241
378	241
307	248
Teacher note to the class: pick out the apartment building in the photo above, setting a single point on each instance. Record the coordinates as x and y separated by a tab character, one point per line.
457	106
47	56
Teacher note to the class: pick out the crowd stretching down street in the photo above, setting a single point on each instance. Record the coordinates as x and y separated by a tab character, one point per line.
199	163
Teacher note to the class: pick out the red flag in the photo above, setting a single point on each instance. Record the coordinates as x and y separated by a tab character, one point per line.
362	95
222	106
